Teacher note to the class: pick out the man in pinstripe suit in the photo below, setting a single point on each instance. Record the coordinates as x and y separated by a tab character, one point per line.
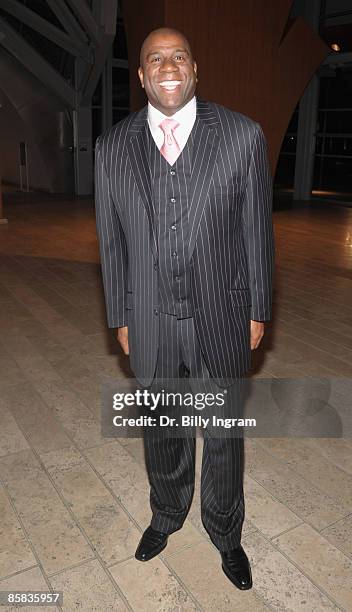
184	220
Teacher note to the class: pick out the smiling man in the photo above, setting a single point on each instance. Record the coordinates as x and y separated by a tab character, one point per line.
169	86
184	220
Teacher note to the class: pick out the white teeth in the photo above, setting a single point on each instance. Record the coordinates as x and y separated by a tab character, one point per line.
169	84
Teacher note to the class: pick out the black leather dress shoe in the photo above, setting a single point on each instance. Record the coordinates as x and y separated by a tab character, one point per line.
151	544
236	566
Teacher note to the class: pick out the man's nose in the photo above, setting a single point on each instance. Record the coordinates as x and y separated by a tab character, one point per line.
169	65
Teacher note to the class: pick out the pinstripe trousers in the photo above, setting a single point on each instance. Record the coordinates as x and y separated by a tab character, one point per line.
170	461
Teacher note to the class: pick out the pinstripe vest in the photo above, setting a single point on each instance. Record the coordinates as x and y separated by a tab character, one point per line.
170	190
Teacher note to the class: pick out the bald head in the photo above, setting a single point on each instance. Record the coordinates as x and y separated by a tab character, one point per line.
155	35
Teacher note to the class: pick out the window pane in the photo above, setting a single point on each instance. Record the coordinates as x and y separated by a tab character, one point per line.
120	87
120	46
339	122
333	174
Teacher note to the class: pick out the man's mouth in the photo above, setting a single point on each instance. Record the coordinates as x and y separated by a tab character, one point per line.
170	85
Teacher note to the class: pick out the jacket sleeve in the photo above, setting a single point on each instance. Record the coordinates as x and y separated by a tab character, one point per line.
112	244
258	229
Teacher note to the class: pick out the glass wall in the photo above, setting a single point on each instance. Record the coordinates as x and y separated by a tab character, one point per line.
113	87
333	152
285	170
332	175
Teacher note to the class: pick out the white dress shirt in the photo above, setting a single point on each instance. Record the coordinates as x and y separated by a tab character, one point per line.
186	117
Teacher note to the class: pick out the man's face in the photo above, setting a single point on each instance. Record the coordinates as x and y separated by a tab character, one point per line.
167	71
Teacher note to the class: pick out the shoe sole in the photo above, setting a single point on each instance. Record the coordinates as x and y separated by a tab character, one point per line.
235	583
153	555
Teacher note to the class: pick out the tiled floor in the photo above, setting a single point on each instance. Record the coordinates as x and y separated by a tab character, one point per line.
74	504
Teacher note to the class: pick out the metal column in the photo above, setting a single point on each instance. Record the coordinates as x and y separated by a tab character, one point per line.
307	120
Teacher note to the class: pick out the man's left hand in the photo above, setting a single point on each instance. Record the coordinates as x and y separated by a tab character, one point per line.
257	332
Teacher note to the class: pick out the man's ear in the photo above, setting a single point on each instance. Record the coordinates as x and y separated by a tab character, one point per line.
140	74
195	67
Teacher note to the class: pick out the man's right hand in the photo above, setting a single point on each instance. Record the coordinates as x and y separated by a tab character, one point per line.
122	338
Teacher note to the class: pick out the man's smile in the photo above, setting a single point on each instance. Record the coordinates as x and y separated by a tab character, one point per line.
170	85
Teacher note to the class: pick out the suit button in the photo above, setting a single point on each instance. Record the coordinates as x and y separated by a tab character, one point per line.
156	266
156	311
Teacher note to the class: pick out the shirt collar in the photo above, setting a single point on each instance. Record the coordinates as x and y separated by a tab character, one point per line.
155	117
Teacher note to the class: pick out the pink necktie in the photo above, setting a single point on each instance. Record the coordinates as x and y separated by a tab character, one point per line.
170	149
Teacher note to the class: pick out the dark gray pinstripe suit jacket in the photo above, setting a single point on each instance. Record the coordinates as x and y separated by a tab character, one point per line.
231	246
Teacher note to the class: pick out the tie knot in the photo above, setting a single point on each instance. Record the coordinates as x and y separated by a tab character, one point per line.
168	125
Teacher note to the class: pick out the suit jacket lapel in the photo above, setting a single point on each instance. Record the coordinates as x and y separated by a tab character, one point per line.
205	150
138	152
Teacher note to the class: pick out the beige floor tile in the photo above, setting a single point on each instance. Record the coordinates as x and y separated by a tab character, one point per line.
304	460
49	348
199	455
53	533
313	334
87	587
15	552
74	416
69	367
135	446
281	585
106	365
11	437
28	296
186	537
32	415
11	373
199	568
328	567
340	534
336	325
111	532
126	477
298	494
36	368
266	513
29	580
88	389
104	342
336	450
71	370
151	587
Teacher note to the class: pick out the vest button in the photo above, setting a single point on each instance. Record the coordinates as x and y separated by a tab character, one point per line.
172	172
156	311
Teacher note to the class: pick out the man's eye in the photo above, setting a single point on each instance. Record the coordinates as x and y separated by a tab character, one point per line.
180	57
156	59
